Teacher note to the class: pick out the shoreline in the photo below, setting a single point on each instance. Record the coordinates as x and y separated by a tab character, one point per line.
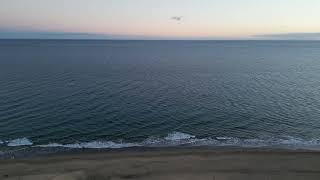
167	163
30	152
24	147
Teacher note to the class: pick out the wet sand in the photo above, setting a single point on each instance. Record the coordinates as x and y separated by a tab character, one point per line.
168	164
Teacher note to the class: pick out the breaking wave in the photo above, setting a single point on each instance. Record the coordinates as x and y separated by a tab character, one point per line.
183	139
18	142
93	145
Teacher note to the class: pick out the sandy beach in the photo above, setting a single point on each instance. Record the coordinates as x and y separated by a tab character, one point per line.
175	164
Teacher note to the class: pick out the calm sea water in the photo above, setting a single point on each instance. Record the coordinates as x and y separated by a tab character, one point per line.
113	94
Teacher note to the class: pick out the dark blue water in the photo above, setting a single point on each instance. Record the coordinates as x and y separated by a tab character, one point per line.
110	94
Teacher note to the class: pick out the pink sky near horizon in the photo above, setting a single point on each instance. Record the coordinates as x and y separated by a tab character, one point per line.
199	18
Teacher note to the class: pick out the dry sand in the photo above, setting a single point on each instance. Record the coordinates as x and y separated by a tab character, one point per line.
168	164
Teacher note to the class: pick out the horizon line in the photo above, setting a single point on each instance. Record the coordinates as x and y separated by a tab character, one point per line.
48	35
100	39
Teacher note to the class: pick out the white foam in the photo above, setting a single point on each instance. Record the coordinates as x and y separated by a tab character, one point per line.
19	142
51	145
184	139
93	145
229	141
1	142
172	139
176	136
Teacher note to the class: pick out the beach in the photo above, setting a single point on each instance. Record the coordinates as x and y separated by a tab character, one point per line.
159	90
167	163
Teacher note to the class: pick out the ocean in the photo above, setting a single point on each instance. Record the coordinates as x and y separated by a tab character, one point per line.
116	94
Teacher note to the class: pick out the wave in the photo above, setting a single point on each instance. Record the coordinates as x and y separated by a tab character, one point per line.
178	136
19	142
93	145
184	139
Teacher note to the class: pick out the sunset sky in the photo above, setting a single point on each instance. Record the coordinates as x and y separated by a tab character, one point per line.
161	19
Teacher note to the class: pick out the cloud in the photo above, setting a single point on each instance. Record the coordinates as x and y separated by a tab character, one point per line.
13	34
5	34
176	18
290	36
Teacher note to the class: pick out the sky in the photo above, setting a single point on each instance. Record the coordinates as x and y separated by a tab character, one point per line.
160	19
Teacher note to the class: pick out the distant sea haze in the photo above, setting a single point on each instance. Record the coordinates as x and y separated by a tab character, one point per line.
12	34
290	36
118	94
